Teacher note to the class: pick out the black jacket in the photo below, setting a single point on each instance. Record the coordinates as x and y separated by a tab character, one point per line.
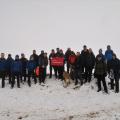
84	55
90	60
67	54
36	57
114	64
43	61
24	64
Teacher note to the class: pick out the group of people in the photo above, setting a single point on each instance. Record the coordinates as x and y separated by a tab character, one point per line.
81	66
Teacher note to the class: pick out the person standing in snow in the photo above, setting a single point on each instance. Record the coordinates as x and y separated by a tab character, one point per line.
16	69
108	53
56	68
90	62
24	63
61	68
100	73
51	56
31	66
84	55
67	55
3	69
8	67
43	62
113	71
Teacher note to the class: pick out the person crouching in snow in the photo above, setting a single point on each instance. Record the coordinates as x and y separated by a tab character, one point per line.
31	66
3	69
113	71
43	62
100	73
16	69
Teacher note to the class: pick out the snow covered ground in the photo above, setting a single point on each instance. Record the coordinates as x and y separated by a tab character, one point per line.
54	102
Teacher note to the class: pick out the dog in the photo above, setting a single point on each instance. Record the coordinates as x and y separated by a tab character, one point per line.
66	79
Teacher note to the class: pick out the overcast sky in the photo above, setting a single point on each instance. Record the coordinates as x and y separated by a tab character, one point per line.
45	24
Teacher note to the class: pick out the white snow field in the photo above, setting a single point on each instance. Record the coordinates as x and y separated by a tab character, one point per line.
54	102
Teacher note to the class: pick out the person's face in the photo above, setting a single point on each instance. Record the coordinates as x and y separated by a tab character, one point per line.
78	53
17	57
22	55
84	48
34	51
2	55
53	51
9	56
61	51
58	50
45	54
90	50
108	48
69	49
42	52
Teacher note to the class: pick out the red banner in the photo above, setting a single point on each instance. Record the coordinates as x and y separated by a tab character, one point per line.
57	61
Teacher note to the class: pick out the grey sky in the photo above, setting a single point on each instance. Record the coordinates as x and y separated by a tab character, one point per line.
45	24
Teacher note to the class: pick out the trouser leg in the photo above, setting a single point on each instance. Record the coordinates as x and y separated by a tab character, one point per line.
104	84
68	67
13	81
112	83
18	81
116	84
3	80
29	80
99	83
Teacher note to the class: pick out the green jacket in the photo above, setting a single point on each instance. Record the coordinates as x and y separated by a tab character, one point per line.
100	68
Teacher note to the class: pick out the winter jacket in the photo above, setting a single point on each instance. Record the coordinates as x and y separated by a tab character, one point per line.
24	64
52	55
16	66
43	61
103	57
90	60
8	64
36	57
100	68
78	63
58	54
114	64
31	65
84	55
2	64
67	54
108	55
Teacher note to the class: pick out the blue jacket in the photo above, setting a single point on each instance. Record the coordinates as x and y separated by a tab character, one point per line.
2	64
108	55
8	63
31	65
16	66
24	64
